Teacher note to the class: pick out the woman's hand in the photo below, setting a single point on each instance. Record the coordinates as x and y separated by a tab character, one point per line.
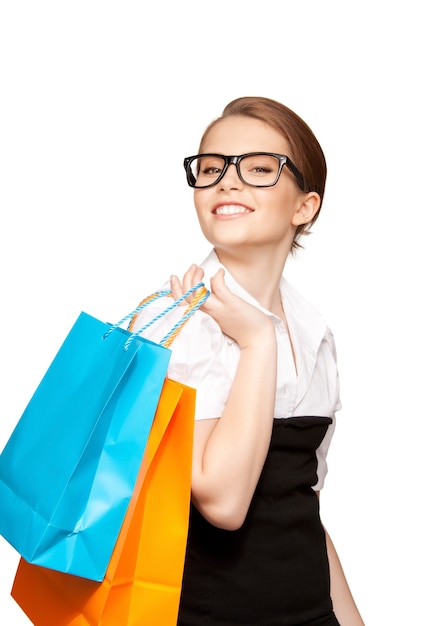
192	277
238	319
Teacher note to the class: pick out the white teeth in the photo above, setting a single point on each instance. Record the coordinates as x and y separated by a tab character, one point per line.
231	209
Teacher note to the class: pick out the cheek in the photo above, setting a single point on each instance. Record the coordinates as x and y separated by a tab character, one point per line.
197	198
201	201
284	198
272	200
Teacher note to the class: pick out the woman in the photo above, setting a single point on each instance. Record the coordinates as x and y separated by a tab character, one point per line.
263	363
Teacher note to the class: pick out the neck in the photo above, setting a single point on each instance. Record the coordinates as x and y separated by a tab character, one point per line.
258	272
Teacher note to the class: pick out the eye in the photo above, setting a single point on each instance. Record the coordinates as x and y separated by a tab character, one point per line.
260	169
209	166
259	165
210	170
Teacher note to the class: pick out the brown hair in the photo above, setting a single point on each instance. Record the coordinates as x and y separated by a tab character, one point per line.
306	151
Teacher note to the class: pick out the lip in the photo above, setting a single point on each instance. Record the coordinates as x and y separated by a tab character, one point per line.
231	209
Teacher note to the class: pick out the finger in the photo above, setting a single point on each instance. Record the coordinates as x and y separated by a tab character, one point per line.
217	282
176	287
219	292
198	275
192	277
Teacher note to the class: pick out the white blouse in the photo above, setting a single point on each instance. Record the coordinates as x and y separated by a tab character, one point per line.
204	358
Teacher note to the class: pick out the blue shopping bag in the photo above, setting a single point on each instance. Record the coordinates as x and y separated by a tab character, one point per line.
68	470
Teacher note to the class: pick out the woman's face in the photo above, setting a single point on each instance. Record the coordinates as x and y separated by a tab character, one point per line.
232	213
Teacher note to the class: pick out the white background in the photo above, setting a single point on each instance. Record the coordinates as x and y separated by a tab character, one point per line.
100	102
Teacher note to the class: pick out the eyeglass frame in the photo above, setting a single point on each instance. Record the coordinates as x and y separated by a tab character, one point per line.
236	160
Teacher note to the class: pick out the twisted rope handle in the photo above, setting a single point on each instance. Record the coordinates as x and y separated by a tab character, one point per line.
133	314
200	296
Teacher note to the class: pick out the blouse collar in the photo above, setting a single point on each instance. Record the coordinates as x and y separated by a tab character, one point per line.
307	326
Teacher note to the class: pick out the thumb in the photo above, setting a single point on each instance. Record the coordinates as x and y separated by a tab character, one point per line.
217	282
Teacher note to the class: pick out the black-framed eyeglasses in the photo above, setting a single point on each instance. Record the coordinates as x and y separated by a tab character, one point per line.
257	169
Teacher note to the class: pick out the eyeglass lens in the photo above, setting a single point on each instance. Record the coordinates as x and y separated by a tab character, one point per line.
256	169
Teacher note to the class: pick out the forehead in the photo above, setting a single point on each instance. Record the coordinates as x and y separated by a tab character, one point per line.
240	134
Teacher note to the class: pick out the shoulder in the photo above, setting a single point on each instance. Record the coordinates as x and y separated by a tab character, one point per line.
157	319
296	302
161	314
308	322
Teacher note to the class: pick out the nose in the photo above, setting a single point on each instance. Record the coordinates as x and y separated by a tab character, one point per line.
230	180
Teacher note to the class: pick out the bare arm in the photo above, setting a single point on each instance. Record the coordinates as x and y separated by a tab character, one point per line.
345	607
229	452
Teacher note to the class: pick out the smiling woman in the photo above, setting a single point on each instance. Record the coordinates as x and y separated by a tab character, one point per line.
274	197
263	362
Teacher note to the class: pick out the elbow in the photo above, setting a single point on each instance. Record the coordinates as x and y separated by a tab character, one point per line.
229	522
223	516
223	504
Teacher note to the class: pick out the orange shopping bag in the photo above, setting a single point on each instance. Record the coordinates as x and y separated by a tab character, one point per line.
143	581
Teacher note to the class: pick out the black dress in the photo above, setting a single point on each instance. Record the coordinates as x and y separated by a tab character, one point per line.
274	570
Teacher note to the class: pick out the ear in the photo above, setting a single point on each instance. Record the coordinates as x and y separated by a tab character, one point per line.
307	209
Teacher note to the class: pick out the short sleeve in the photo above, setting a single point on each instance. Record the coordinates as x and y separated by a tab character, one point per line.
334	385
199	356
329	338
321	455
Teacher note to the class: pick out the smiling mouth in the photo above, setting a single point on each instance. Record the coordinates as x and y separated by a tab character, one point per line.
231	209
